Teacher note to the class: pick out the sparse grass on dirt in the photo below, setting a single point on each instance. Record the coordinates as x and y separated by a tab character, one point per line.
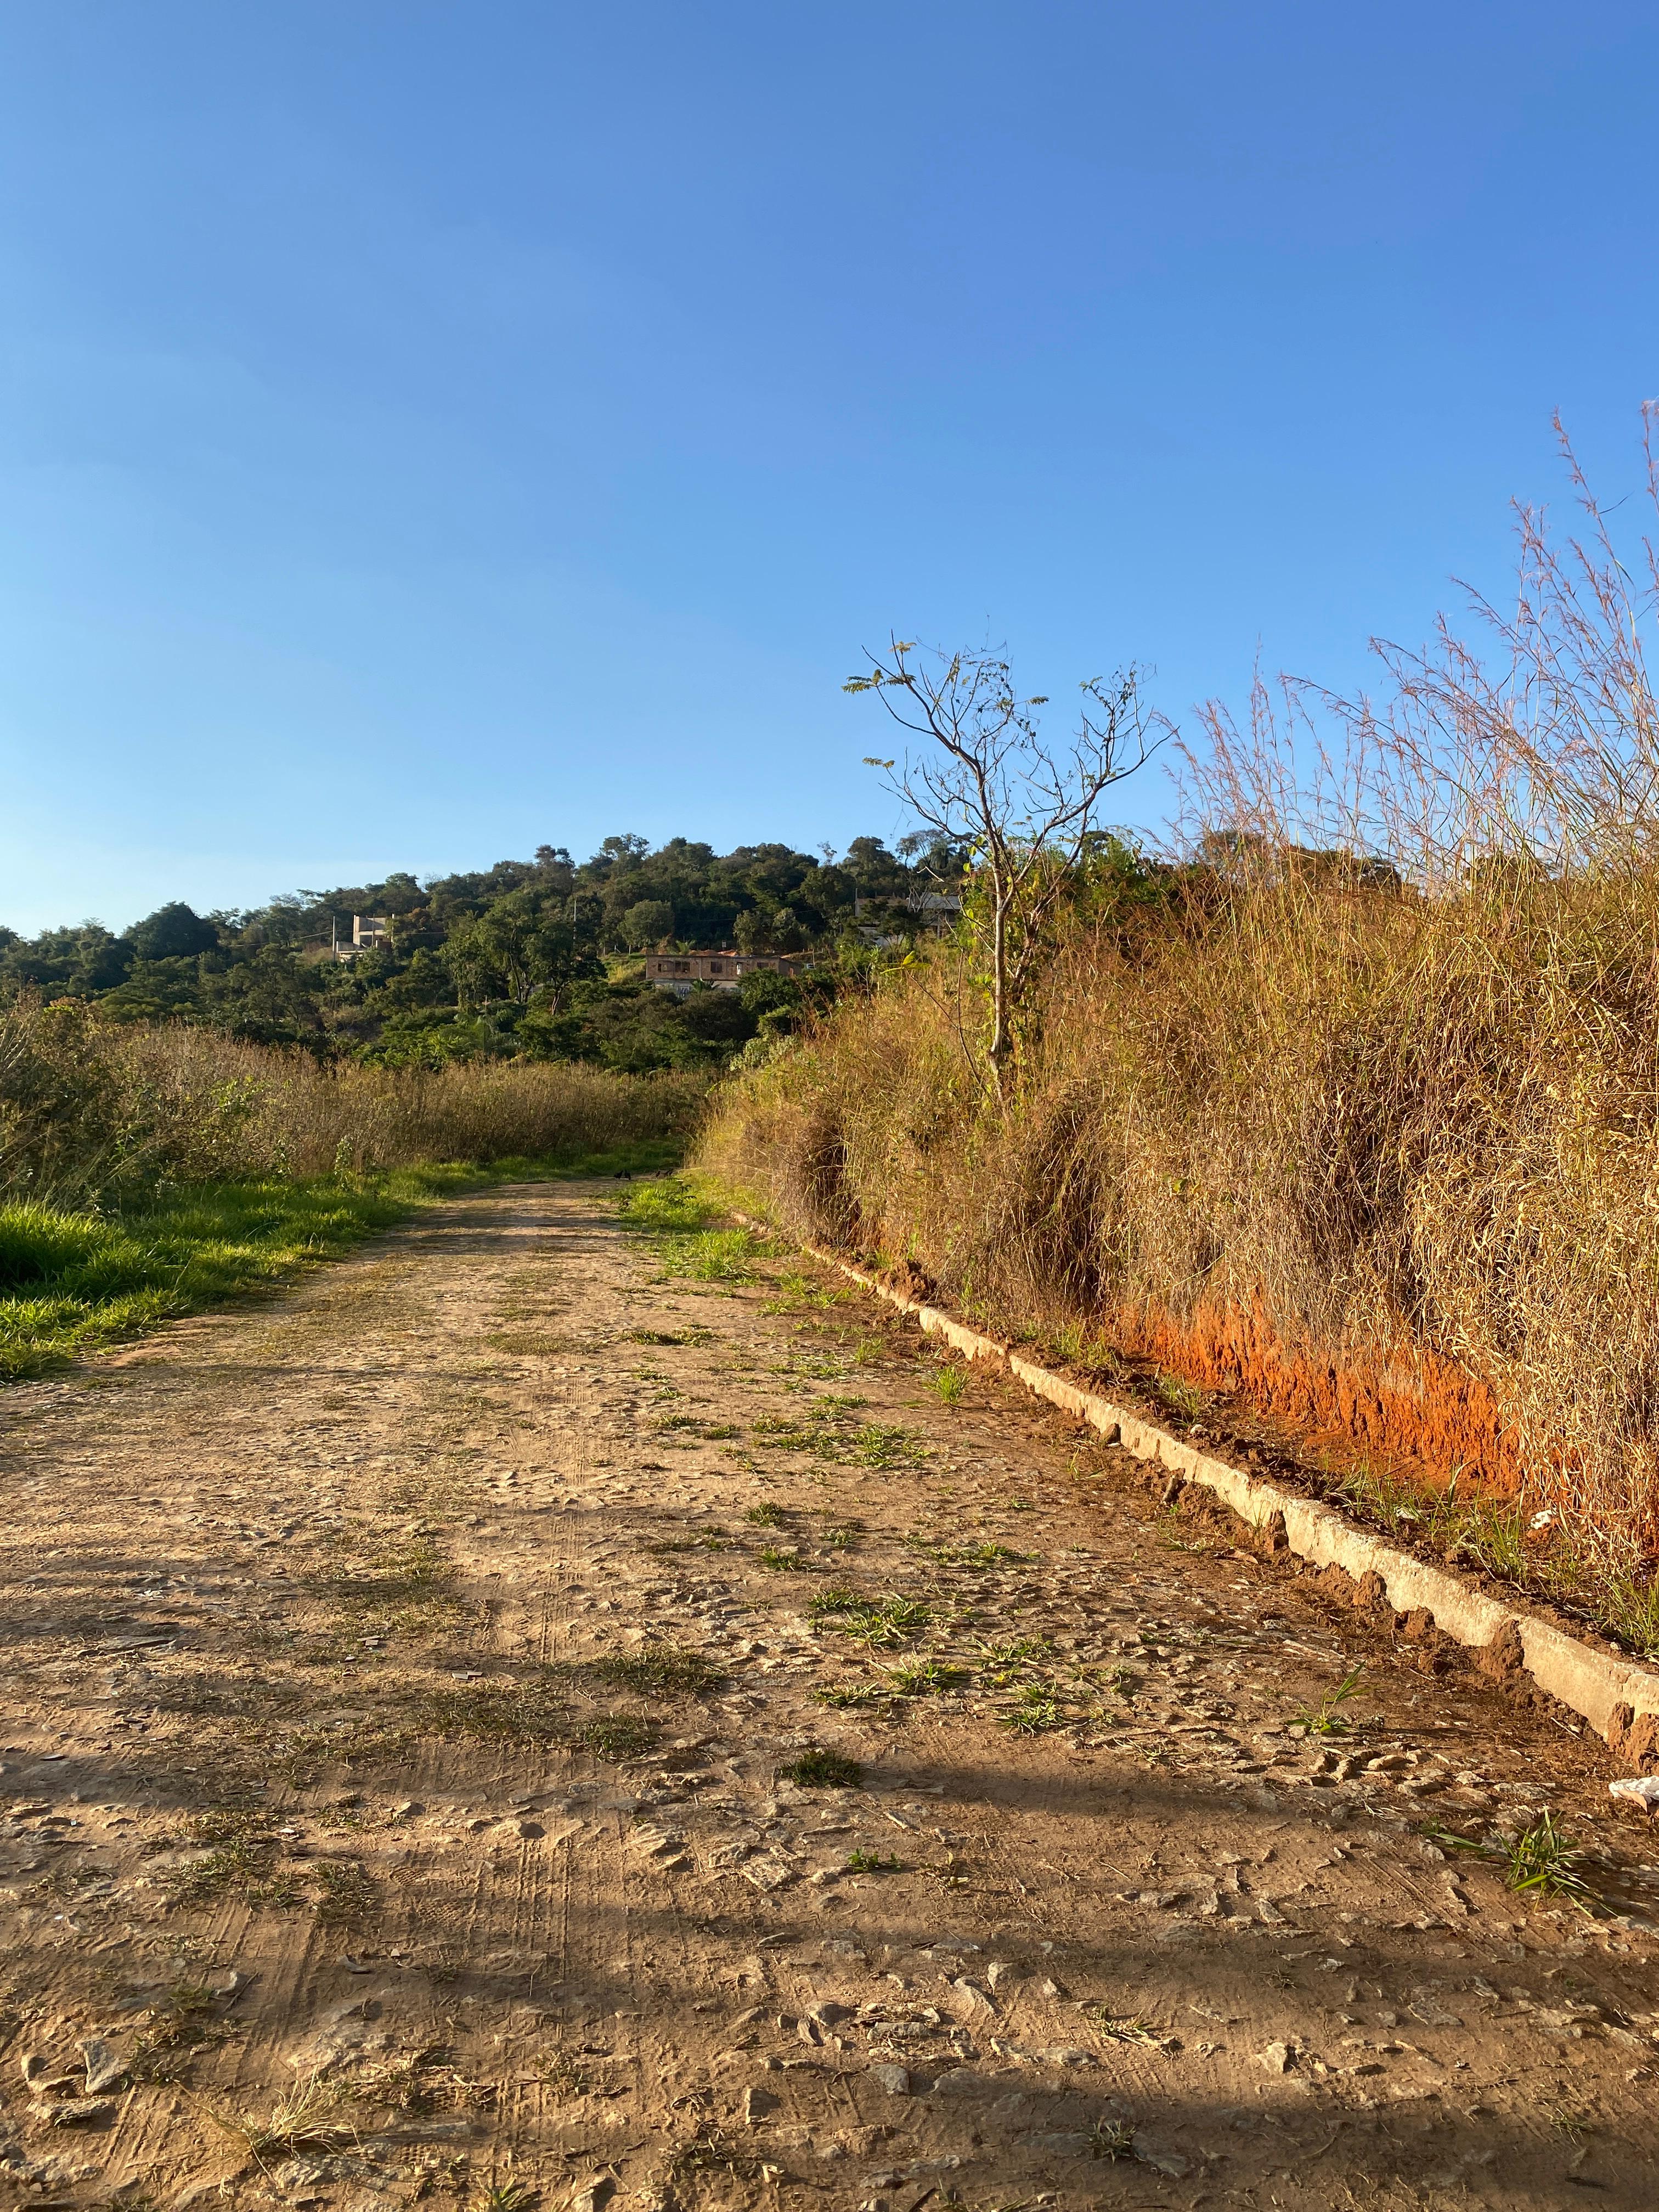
664	1671
509	2196
678	1214
782	1562
241	1864
533	1711
617	1737
818	1769
1113	2140
1035	1712
926	1678
346	1894
1122	2027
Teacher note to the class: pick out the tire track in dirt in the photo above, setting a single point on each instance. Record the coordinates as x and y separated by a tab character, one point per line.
406	1677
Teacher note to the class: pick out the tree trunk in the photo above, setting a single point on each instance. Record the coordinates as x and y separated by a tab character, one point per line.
999	1036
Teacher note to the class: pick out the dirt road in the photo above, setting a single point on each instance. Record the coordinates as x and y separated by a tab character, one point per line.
495	1726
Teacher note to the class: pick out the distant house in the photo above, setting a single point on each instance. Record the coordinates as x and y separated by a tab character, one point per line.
370	932
680	971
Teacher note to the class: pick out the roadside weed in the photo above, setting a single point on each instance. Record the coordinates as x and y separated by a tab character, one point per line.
667	1205
528	1711
1181	1397
794	1290
925	1678
852	1696
565	2074
508	2197
347	1896
949	1385
1541	1861
978	1555
1036	1713
1112	2139
783	1563
1327	1718
306	2119
1568	2121
1005	1664
882	1623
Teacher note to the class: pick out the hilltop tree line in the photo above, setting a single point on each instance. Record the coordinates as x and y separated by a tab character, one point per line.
527	957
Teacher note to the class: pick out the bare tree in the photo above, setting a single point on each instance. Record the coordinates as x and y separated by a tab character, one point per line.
1027	811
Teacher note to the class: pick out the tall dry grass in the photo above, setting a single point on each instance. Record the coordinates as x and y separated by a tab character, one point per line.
87	1110
1378	1145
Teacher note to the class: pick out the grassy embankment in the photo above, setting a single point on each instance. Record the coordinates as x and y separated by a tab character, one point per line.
146	1175
1385	1166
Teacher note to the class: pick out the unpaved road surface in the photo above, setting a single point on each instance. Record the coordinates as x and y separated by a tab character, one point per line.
405	1681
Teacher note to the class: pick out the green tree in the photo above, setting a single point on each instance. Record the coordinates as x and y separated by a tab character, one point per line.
173	932
647	924
519	946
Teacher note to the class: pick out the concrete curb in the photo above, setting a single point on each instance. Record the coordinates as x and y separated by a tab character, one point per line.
1619	1699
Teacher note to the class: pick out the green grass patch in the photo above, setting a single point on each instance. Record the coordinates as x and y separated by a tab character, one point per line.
975	1555
1539	1861
825	1427
1006	1663
818	1769
793	1291
880	1622
75	1282
678	1213
671	1206
1036	1712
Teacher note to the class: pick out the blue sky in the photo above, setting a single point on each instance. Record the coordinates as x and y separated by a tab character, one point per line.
431	430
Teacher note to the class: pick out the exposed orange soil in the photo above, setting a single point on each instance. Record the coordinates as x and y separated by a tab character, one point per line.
1405	1405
